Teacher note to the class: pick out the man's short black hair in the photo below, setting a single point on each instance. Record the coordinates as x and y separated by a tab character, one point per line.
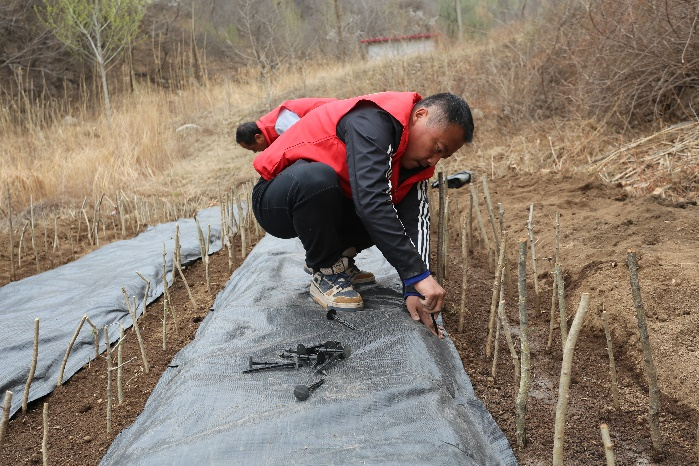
452	109
246	132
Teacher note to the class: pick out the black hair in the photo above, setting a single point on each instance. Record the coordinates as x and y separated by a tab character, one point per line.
451	109
246	133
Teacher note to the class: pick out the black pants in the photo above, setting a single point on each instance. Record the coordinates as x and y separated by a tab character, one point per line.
306	200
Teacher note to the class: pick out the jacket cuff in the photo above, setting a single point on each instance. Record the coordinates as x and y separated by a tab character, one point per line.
416	278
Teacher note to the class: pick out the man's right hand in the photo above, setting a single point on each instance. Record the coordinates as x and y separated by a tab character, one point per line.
433	294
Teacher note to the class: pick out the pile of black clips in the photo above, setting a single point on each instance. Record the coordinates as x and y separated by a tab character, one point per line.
318	357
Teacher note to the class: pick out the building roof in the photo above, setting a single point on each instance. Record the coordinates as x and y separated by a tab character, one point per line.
398	38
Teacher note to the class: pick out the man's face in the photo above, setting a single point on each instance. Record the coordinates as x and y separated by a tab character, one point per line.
429	143
259	145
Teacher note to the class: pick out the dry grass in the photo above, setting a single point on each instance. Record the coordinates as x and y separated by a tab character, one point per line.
527	121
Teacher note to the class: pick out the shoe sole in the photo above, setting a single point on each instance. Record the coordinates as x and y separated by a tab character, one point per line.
337	306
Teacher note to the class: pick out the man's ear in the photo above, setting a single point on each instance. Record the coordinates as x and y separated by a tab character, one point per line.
420	113
259	137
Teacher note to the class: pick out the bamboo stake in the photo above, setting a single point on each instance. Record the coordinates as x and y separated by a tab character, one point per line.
653	392
612	365
530	229
607	442
564	384
523	394
440	231
36	253
120	362
146	368
32	368
5	417
145	295
486	194
464	276
189	292
12	239
552	316
45	439
70	347
494	300
562	304
108	355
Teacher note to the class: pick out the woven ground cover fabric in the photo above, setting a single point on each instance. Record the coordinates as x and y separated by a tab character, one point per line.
88	286
401	397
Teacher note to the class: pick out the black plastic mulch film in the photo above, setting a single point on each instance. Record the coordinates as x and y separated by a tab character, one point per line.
89	286
401	396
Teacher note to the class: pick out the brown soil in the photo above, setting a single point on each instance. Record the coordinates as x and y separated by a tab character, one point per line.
598	225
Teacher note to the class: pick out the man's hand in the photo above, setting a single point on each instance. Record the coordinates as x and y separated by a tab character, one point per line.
433	295
418	313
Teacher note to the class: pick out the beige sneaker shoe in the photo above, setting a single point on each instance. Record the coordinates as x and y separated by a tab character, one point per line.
332	289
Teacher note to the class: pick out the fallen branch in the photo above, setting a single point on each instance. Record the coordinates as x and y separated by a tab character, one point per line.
612	365
607	442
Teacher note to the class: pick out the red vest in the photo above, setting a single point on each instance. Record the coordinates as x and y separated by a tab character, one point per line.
299	106
314	138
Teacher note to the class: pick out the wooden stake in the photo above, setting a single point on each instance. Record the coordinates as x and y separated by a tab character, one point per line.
32	368
12	239
464	276
612	365
206	258
241	227
530	229
494	300
95	336
523	394
146	367
479	221
653	392
489	206
70	347
120	362
440	230
167	302
87	224
564	384
36	253
45	439
145	295
5	417
562	305
607	442
558	237
470	220
496	348
164	324
21	241
552	316
55	230
189	292
504	322
108	355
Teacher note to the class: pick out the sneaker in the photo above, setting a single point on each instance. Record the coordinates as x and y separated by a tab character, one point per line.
332	289
356	276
